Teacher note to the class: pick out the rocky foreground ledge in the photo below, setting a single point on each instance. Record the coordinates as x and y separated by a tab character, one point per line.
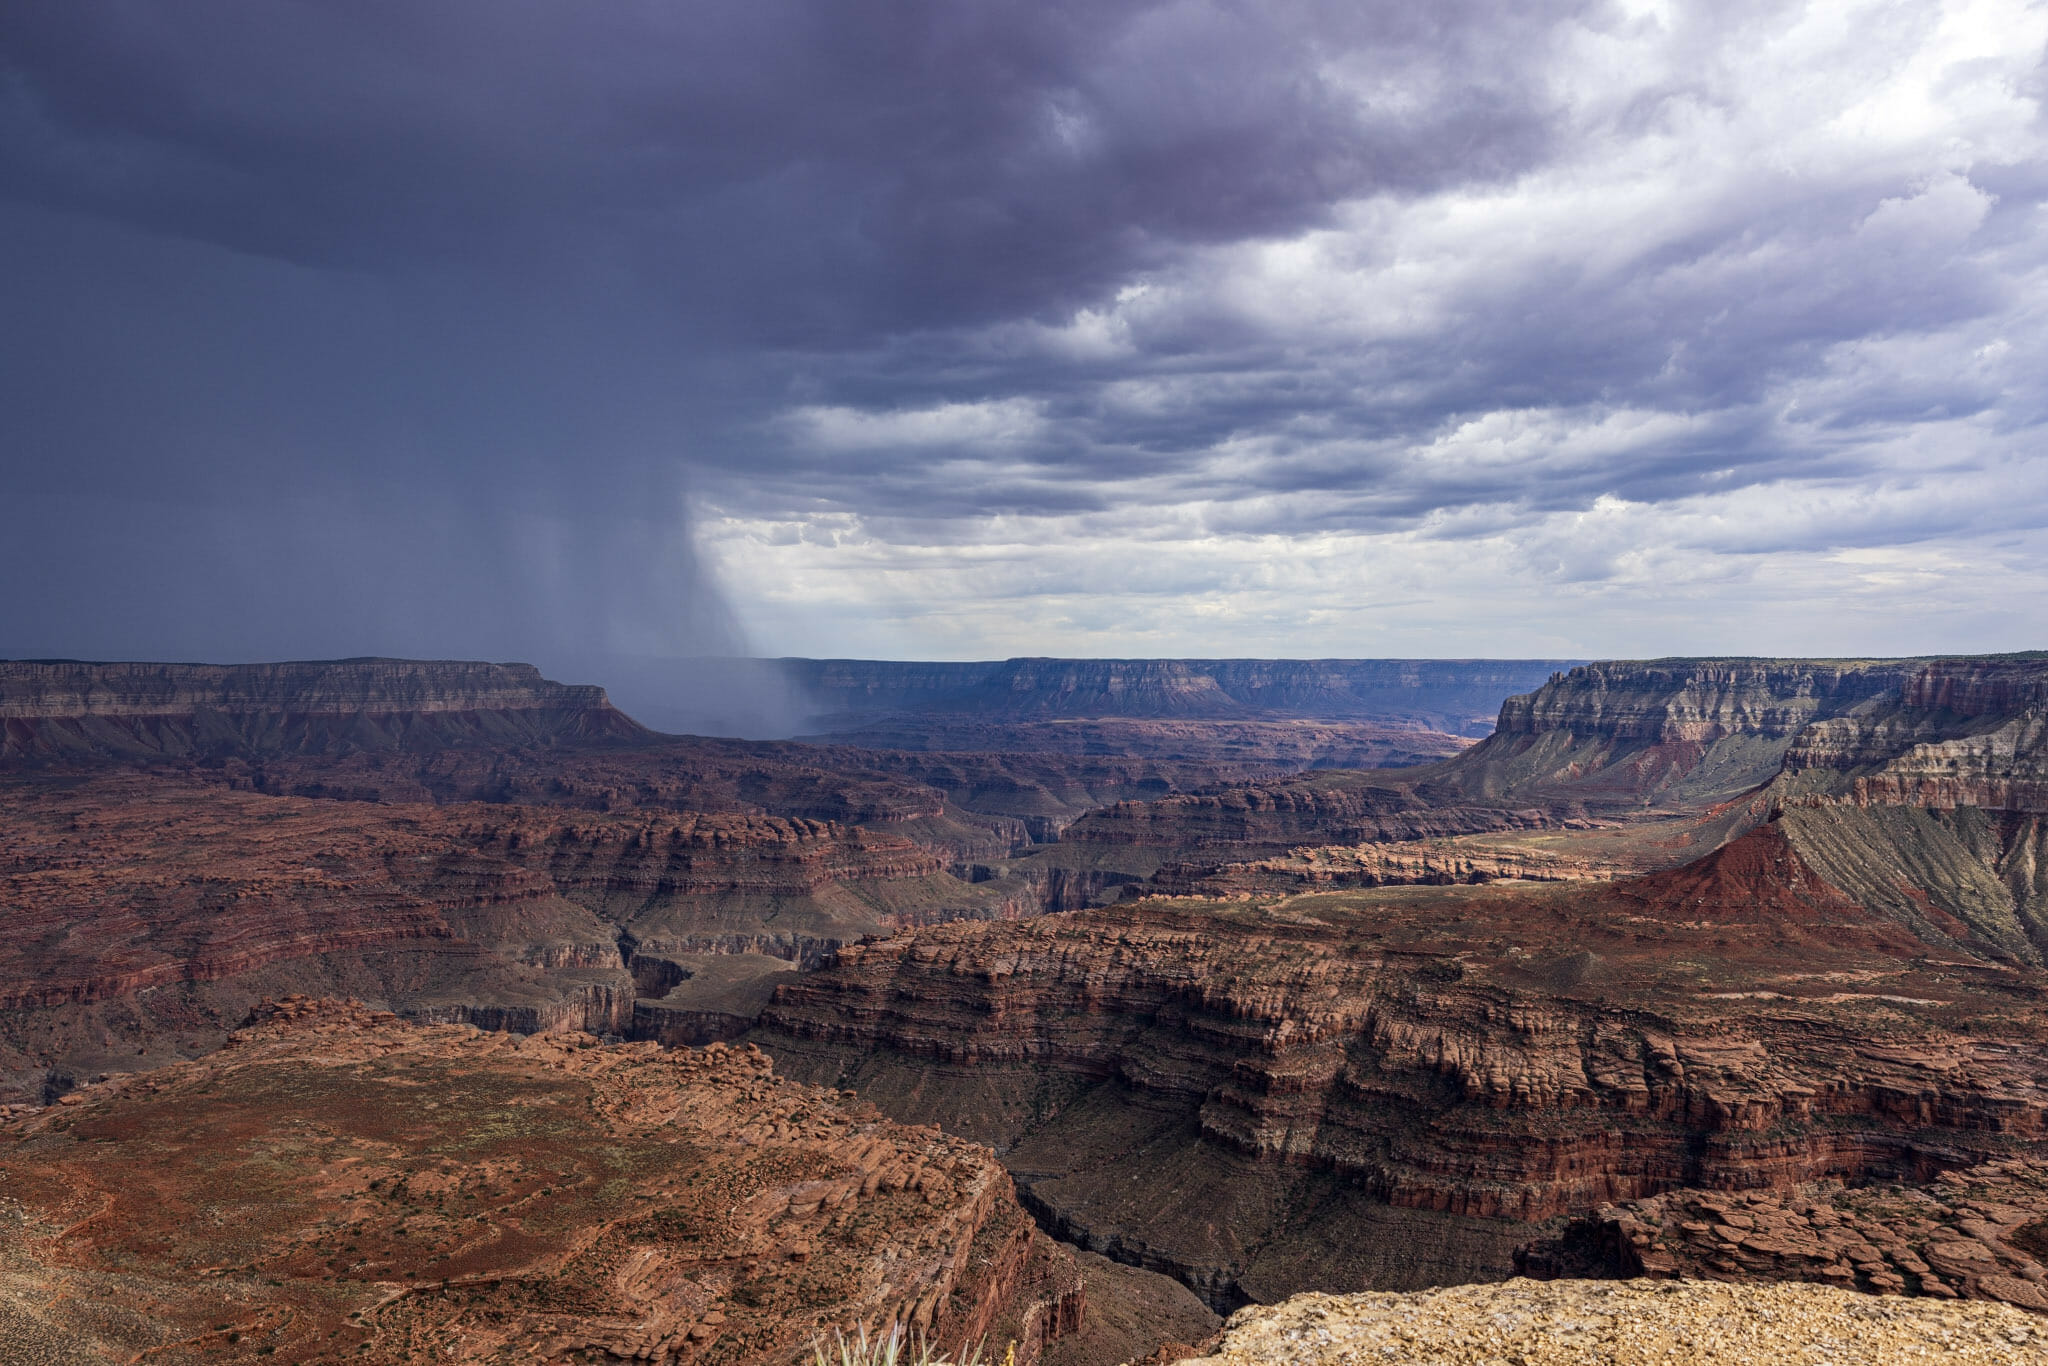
1626	1323
336	1184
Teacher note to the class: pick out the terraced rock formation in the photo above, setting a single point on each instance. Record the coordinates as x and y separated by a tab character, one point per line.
65	711
1981	1233
1454	695
146	915
1684	925
1687	744
974	807
337	1184
1231	1092
1687	732
1834	973
1929	807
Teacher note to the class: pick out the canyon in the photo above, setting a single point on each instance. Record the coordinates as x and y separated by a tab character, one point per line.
932	705
1687	925
360	1187
1235	1018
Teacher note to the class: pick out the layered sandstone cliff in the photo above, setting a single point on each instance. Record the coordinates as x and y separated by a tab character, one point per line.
1453	695
1204	1087
68	711
1930	806
337	1183
1961	732
1630	733
1981	1233
145	915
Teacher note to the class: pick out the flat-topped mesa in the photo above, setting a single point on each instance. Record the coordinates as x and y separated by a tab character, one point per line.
337	1183
1625	733
1962	732
1456	695
59	710
1931	807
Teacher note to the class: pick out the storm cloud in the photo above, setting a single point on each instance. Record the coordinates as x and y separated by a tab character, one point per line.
576	332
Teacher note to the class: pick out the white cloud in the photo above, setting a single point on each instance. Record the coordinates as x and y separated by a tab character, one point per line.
1754	359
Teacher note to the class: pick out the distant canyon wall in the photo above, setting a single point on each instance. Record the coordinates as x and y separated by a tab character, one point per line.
70	710
1457	696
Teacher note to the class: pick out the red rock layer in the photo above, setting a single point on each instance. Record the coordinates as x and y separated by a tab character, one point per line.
337	1183
134	889
1501	1052
118	887
1975	1234
1281	815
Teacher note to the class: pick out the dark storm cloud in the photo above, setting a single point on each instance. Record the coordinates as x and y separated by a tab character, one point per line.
424	327
402	326
806	170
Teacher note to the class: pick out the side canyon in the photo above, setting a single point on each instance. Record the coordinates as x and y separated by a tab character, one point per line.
1234	980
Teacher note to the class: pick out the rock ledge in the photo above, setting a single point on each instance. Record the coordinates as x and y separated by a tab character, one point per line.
1622	1323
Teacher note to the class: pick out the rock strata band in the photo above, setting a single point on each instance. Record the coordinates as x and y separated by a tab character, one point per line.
1130	995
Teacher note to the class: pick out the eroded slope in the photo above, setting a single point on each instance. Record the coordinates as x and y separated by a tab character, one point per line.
339	1185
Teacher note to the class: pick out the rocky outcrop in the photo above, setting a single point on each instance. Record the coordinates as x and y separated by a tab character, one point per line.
1509	1055
1426	863
66	711
1626	734
339	1183
1962	732
1324	809
1975	1234
145	914
1641	1323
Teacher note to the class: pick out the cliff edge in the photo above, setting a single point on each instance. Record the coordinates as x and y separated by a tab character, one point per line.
58	711
1630	1323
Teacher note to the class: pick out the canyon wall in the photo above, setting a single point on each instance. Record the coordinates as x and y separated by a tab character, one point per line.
1678	731
1930	805
1458	696
70	711
1979	1233
146	914
1618	740
1203	1088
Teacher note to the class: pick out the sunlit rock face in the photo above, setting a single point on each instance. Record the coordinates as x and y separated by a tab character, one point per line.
1638	1323
1727	947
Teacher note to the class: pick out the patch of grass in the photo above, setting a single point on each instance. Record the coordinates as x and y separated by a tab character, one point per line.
895	1348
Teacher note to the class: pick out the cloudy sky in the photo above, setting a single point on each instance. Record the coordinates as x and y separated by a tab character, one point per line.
971	328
